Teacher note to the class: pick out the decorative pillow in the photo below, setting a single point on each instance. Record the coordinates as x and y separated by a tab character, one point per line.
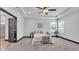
45	39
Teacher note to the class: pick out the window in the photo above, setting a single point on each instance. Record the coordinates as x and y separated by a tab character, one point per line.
53	27
61	27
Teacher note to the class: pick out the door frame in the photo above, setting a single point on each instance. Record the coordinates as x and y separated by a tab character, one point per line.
13	17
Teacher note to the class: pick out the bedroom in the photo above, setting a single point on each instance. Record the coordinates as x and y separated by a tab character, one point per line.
30	20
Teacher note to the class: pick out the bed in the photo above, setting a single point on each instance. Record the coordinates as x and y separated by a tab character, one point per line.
41	39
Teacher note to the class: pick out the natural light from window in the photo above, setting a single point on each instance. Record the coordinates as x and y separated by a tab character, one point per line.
61	27
53	27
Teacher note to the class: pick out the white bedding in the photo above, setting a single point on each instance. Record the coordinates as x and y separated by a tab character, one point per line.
38	38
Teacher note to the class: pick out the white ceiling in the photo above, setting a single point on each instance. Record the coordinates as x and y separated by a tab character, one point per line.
3	14
33	11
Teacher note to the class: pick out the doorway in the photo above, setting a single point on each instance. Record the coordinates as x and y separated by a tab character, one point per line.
12	29
2	29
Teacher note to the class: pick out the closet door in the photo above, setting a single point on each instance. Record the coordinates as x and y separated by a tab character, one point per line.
12	30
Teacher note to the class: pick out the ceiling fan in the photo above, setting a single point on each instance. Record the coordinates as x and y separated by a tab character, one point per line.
45	10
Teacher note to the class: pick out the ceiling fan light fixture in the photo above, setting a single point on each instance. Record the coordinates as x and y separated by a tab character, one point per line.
45	10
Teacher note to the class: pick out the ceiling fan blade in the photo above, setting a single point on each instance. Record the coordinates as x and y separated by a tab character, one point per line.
39	7
45	8
42	8
40	12
51	9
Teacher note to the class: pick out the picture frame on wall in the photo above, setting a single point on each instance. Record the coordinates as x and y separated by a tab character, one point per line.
39	25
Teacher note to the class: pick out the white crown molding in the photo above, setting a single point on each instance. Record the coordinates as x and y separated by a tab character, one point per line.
61	14
32	17
22	9
69	12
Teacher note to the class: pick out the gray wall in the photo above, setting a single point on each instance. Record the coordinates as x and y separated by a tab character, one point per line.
71	26
31	25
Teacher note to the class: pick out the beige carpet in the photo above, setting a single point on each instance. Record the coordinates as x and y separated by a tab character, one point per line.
58	45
